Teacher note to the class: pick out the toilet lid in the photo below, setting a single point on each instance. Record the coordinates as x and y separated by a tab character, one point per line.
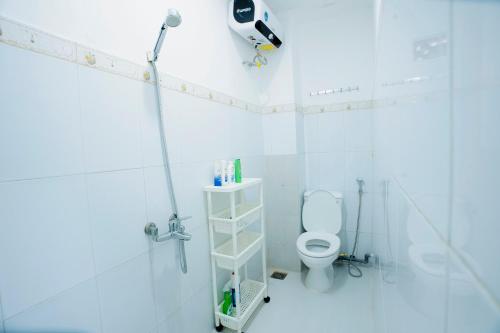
322	212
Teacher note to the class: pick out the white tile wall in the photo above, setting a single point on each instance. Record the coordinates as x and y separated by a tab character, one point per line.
326	170
76	309
325	132
338	151
358	130
280	133
358	165
283	191
40	135
45	243
150	133
338	60
167	280
73	251
111	120
81	174
117	202
127	298
351	205
193	317
158	208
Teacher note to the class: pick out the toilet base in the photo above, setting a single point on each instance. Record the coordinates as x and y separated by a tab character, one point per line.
319	279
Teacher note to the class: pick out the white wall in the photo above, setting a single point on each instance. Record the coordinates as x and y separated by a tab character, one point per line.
329	150
338	145
277	81
201	50
335	48
436	145
81	175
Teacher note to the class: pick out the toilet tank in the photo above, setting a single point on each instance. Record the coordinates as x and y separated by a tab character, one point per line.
322	211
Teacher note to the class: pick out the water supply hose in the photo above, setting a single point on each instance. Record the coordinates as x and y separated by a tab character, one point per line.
352	269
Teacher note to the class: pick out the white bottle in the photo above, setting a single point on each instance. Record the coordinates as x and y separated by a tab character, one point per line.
235	294
230	172
223	164
218	173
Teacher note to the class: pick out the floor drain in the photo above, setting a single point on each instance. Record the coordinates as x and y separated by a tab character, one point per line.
279	275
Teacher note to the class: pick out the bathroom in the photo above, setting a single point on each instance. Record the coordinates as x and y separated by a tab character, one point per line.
368	143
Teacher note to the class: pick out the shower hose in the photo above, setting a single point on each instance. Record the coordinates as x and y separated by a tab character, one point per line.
168	174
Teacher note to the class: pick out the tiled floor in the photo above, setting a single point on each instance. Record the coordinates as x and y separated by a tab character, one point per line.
347	308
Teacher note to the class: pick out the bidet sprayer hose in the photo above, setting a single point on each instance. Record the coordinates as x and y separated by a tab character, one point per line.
350	265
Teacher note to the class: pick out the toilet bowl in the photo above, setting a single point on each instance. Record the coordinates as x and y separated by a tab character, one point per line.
319	246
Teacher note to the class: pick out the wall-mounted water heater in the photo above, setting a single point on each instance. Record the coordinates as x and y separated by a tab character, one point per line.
254	21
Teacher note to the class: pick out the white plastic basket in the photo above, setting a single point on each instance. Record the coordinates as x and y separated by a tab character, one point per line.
246	214
248	244
252	293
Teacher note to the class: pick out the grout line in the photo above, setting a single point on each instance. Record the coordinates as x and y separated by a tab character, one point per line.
182	304
69	175
95	277
87	198
49	299
190	163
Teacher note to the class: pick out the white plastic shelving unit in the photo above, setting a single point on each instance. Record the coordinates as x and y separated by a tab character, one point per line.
234	253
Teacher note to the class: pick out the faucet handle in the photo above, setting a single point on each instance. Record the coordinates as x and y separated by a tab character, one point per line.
175	218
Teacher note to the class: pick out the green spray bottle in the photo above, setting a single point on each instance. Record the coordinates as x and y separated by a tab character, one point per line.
237	171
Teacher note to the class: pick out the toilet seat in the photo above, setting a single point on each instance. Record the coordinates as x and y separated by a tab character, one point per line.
330	242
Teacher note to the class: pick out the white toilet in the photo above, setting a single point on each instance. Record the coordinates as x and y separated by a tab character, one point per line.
319	246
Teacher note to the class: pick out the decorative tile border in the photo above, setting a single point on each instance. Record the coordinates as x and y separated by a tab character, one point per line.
280	108
28	38
337	107
357	105
313	109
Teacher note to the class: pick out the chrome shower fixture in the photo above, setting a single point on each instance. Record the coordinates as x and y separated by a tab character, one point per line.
258	61
172	20
176	229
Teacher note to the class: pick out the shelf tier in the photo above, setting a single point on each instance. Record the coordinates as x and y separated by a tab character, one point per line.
252	293
246	214
245	183
248	244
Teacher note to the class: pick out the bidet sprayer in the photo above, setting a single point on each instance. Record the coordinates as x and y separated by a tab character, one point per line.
361	183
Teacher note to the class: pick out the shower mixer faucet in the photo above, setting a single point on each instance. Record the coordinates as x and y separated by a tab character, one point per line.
175	230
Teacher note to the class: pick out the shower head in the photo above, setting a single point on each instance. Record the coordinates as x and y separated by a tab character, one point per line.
172	20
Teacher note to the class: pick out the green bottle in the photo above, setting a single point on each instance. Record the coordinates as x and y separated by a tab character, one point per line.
237	170
227	306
